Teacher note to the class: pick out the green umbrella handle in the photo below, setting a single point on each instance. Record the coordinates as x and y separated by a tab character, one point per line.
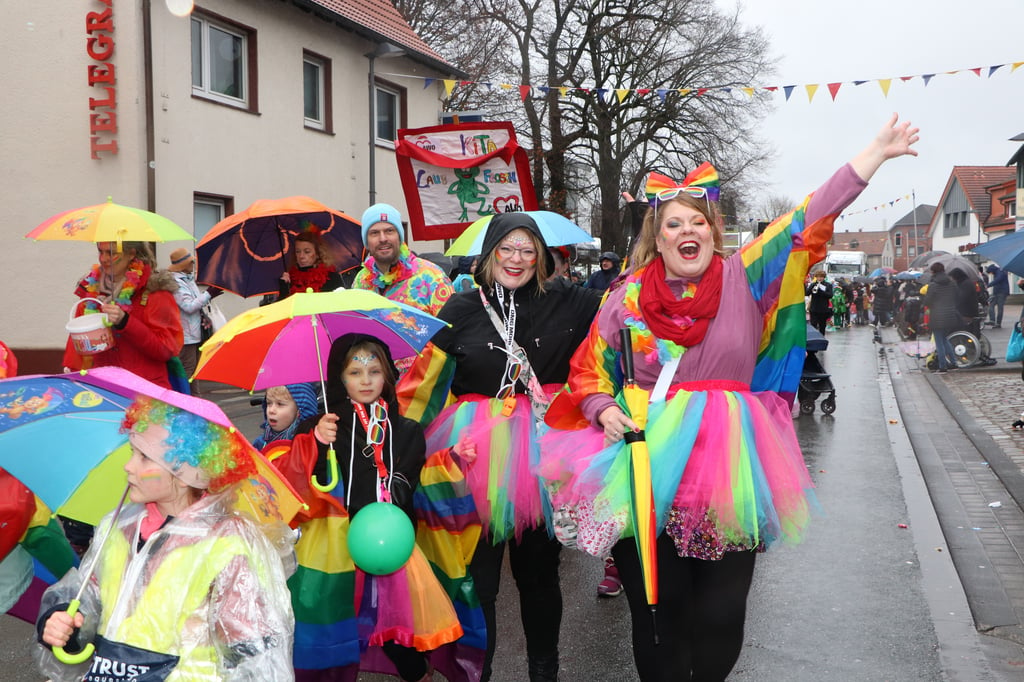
332	472
83	655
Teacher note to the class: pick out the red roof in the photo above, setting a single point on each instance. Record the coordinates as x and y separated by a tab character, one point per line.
871	243
382	22
974	180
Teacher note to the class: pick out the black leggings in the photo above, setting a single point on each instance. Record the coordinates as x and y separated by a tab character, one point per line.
534	561
410	664
702	606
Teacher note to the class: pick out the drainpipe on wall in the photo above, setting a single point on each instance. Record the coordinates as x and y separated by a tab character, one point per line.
147	77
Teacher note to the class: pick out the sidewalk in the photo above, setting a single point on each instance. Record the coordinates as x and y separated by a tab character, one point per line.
972	461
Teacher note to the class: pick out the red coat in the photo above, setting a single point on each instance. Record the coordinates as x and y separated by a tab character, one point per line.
152	336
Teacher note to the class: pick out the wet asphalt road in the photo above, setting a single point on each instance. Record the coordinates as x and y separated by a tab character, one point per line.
861	599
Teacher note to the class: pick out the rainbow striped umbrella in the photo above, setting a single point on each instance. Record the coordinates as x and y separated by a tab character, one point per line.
641	488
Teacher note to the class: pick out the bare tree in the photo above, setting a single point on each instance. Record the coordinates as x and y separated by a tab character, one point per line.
690	59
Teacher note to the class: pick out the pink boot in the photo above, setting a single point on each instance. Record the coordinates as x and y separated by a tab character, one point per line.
611	586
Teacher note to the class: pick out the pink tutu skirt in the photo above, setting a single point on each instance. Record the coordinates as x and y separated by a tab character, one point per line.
726	467
506	492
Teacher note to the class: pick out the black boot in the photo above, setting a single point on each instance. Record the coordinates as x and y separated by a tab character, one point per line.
544	668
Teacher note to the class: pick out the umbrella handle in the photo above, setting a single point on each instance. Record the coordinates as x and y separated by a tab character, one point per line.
83	655
332	472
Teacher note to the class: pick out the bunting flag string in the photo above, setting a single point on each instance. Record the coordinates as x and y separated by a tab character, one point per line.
620	94
739	220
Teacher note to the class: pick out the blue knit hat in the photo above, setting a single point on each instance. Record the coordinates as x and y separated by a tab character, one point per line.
382	213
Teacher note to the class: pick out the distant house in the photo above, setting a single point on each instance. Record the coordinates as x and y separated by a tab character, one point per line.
970	208
875	244
909	236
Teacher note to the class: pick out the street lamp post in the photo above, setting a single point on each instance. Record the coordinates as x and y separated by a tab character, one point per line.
383	51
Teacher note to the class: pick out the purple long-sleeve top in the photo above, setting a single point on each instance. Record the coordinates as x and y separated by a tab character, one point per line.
729	349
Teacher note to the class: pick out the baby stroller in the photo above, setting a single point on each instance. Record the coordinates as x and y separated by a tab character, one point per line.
814	380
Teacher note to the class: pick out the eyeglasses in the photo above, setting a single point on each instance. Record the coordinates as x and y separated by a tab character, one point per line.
673	192
527	253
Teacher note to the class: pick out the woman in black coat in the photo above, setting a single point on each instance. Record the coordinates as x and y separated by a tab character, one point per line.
941	301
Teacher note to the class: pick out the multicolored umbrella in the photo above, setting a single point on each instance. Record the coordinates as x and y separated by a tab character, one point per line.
109	222
641	487
289	341
556	229
75	420
882	272
248	252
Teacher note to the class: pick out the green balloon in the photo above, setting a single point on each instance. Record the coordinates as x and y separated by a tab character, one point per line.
380	538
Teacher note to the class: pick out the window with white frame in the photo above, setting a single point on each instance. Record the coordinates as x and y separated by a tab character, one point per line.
1011	209
389	112
208	210
316	91
220	61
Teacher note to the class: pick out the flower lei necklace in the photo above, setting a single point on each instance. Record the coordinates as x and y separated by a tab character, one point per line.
643	339
134	277
402	270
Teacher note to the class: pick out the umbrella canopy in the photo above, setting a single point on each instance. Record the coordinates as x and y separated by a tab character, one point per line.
75	420
881	272
289	341
908	274
1007	251
556	229
109	222
248	252
922	260
950	262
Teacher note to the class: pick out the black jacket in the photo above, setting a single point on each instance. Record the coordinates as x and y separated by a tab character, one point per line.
821	297
549	327
941	301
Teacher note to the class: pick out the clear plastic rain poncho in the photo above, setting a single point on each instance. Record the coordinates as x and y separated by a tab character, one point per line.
209	588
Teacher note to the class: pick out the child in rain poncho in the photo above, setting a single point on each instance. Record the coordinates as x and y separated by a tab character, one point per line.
183	586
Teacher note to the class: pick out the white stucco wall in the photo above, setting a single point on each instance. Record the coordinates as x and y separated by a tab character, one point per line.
200	147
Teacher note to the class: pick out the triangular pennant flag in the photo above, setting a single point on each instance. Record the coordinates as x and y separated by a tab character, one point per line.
643	91
860	82
449	85
927	77
906	78
1016	65
749	91
585	91
701	91
505	86
621	93
726	90
811	89
544	89
661	93
427	82
465	83
772	88
977	71
788	89
563	91
684	91
833	88
953	73
524	92
486	85
884	83
993	69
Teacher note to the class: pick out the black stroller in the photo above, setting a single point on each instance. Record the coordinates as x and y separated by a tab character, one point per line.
814	380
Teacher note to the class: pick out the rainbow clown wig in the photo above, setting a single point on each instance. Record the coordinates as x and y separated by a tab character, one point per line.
204	454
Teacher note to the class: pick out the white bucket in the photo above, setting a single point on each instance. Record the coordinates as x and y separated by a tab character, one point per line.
90	334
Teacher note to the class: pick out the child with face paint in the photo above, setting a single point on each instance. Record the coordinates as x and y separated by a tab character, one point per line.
403	622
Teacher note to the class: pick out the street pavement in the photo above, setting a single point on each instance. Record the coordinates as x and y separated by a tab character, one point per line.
910	571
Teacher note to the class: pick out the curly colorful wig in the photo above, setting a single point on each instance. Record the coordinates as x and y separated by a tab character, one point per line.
222	454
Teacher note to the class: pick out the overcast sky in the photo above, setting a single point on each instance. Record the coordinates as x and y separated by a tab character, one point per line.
964	119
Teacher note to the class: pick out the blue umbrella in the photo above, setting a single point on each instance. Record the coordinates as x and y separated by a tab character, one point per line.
1007	251
556	229
882	272
908	274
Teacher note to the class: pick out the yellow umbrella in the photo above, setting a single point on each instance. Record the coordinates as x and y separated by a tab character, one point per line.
109	222
641	488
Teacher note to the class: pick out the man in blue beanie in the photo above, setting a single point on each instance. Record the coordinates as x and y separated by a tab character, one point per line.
393	271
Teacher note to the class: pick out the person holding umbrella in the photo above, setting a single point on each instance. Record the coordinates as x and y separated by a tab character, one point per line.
719	344
181	583
139	303
505	354
311	267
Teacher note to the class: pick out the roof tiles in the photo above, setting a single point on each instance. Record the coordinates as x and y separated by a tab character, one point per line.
381	17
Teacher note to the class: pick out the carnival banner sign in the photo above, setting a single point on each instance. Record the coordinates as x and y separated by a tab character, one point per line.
454	174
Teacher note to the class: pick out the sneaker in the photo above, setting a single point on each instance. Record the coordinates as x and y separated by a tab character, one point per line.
611	586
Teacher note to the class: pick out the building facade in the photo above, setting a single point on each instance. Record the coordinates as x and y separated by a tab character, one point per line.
909	236
194	115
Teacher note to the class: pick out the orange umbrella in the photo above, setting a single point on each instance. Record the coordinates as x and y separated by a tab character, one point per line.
641	488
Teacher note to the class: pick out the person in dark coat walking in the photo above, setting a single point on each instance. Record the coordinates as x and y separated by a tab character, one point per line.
1000	285
941	301
602	279
820	306
882	302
